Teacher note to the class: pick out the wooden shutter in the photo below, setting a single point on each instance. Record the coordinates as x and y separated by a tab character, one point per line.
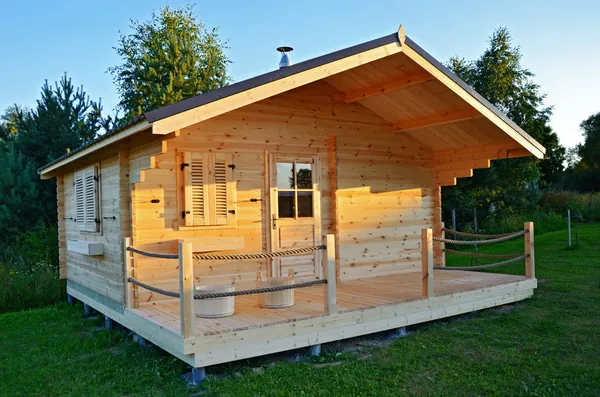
86	200
79	201
196	189
222	177
208	189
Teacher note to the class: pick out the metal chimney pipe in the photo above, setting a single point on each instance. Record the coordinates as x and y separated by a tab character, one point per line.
285	58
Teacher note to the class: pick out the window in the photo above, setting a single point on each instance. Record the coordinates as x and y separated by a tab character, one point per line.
209	189
294	189
87	218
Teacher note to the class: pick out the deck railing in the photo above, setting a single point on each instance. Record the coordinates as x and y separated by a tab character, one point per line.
427	253
187	293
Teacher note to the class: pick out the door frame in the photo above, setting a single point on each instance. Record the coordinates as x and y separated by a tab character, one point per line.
272	208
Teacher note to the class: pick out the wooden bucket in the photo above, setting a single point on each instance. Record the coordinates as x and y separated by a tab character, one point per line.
216	307
278	299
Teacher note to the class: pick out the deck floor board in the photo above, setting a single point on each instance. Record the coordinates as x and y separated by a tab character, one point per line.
351	295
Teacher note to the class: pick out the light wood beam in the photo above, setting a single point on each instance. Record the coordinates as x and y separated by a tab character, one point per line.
404	82
438	119
521	137
236	101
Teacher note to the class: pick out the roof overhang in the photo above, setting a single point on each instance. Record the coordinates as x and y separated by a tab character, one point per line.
202	107
48	171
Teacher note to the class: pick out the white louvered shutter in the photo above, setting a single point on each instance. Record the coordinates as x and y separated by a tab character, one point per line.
86	200
79	201
91	199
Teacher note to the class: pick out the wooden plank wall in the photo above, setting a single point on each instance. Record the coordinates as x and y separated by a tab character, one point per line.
101	274
385	191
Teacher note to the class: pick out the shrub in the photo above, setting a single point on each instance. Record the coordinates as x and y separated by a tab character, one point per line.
29	275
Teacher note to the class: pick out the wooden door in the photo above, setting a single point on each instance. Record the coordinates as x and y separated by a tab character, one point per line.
295	213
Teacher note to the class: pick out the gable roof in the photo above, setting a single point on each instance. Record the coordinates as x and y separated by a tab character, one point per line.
398	39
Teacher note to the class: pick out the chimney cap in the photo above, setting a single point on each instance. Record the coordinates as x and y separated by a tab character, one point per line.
284	49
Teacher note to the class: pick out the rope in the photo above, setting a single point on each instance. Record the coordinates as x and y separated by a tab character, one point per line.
482	267
473	235
278	254
153	289
225	257
478	242
481	255
214	295
227	294
153	254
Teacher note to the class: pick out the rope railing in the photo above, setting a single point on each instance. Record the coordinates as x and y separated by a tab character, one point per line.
480	242
260	255
474	235
483	267
480	255
214	295
226	257
153	254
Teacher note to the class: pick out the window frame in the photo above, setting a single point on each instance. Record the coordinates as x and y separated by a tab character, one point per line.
80	227
295	189
184	157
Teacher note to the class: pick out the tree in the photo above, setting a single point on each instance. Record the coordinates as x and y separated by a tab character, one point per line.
15	118
64	119
167	59
583	173
19	204
589	151
510	185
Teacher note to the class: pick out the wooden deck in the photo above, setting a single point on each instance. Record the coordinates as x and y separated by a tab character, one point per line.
351	296
364	307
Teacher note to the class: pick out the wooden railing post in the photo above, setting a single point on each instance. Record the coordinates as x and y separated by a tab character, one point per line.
427	262
129	289
186	289
329	271
529	251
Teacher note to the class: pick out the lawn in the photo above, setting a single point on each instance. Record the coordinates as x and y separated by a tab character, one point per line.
546	346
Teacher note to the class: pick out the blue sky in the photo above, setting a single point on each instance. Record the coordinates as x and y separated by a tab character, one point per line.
560	40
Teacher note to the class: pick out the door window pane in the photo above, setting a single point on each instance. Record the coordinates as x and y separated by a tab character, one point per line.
305	204
286	205
304	176
285	175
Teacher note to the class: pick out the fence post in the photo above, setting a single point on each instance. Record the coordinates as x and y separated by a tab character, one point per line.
569	226
129	290
330	287
454	223
186	289
443	245
529	251
427	262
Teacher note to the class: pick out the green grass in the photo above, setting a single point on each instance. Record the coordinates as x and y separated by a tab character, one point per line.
546	346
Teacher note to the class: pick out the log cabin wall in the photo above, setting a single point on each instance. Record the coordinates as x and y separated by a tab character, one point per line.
98	276
384	186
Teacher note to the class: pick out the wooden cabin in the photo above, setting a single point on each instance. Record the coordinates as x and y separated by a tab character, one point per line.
354	145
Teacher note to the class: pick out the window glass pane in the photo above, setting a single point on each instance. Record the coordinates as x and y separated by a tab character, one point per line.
304	176
285	175
305	204
285	201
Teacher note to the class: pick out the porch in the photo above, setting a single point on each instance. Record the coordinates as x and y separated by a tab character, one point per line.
352	296
327	311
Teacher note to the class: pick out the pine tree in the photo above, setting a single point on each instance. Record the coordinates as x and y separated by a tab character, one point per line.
167	59
63	119
19	204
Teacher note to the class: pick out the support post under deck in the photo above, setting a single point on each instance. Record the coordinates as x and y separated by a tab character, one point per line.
315	350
